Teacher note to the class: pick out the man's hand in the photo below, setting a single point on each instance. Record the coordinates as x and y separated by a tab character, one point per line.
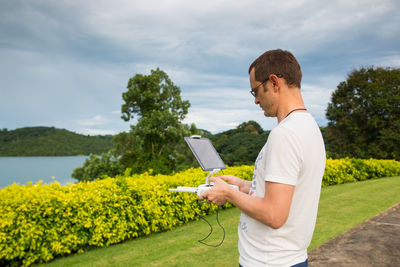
272	209
218	194
244	186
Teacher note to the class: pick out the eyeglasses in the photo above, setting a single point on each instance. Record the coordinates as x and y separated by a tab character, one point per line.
254	90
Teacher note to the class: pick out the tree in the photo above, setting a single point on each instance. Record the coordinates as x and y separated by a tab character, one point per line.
364	115
152	143
155	143
96	167
250	127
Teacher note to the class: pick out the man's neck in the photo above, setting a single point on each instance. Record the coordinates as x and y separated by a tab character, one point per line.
291	102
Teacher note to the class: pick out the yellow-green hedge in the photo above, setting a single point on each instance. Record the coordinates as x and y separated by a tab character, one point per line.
39	222
339	171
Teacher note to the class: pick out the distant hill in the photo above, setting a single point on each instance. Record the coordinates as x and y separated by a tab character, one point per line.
50	141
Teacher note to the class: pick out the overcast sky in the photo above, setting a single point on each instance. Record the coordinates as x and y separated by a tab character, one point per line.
66	63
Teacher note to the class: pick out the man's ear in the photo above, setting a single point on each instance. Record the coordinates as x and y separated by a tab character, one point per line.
276	83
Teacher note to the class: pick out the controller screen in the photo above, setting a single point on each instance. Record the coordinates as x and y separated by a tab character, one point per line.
205	153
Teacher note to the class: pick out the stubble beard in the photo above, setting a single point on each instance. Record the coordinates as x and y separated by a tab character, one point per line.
268	112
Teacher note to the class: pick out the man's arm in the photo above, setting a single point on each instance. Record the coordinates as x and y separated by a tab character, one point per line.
272	210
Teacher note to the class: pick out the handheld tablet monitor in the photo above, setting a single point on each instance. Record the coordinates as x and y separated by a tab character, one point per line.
205	153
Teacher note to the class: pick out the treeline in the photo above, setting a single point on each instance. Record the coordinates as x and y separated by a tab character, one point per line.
50	141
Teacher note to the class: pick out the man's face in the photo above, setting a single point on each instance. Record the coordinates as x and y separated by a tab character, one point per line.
265	96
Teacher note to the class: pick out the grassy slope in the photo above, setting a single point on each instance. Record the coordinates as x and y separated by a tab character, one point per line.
341	208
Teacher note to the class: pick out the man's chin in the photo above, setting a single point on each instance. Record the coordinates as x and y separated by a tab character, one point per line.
268	114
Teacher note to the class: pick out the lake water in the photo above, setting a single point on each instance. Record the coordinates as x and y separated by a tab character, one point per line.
24	169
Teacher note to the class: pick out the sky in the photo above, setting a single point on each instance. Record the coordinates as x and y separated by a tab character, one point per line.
66	63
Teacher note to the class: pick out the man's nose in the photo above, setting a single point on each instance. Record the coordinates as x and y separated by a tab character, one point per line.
256	101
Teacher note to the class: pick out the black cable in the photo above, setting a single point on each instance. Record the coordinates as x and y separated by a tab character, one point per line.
211	229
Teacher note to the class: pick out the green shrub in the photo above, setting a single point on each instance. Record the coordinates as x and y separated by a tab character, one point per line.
339	171
39	222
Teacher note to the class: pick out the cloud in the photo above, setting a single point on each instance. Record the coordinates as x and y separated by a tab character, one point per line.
388	61
316	100
200	31
94	121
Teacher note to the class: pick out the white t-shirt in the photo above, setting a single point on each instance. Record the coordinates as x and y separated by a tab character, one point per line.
294	154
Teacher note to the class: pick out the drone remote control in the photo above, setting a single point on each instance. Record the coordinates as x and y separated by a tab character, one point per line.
209	160
200	190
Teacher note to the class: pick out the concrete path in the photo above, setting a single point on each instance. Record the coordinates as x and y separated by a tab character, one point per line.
375	242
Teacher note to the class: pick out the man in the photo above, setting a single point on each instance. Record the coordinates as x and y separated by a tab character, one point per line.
279	207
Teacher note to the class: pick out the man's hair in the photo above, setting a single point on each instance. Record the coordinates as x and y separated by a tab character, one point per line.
278	62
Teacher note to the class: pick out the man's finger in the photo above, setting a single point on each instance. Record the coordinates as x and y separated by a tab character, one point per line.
214	179
223	177
204	195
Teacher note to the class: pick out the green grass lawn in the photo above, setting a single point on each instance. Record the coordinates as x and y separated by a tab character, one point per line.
341	208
